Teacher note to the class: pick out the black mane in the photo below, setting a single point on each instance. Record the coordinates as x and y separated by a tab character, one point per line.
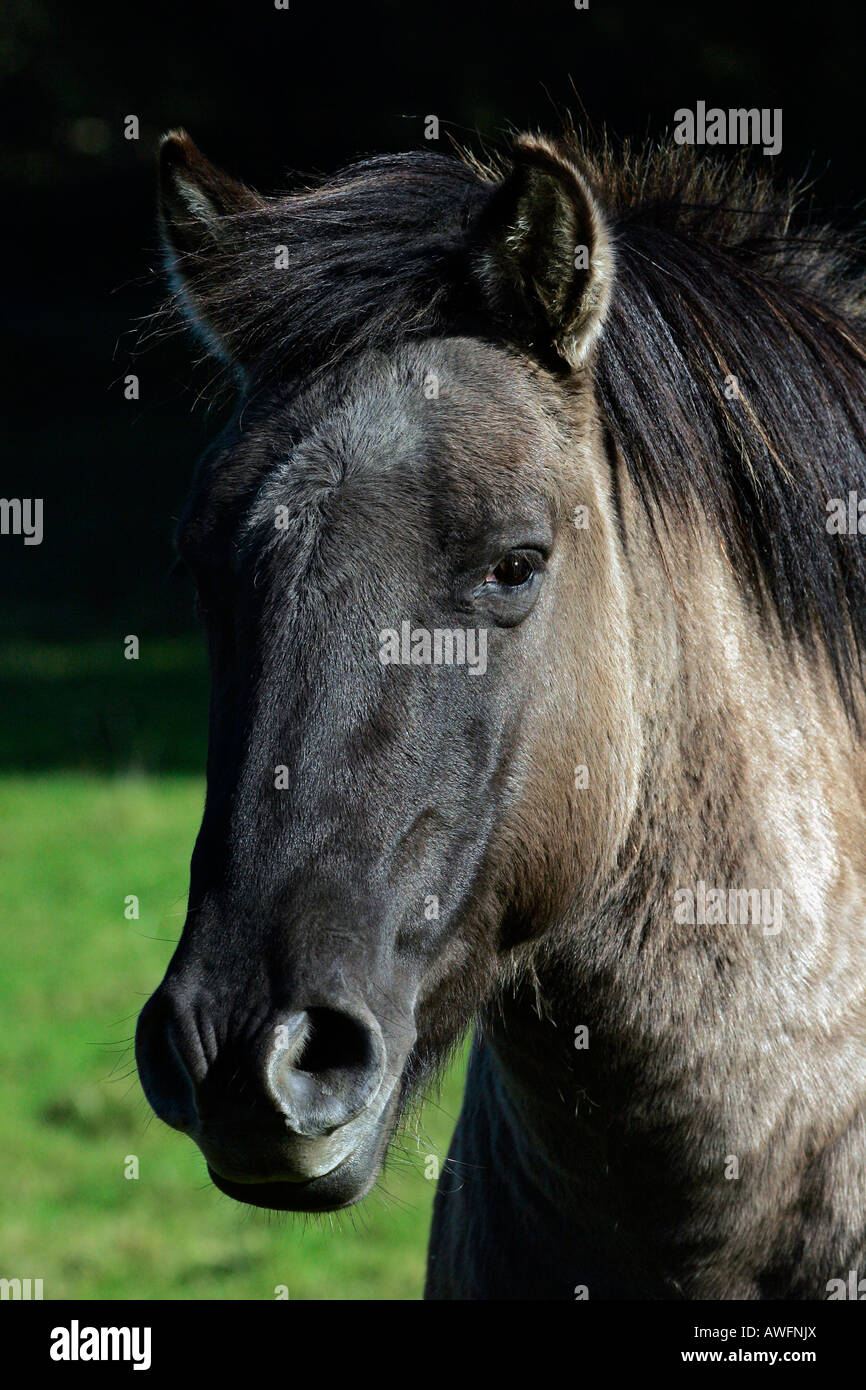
715	278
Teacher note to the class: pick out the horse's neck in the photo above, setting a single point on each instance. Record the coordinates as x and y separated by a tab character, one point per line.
753	783
671	1058
688	1123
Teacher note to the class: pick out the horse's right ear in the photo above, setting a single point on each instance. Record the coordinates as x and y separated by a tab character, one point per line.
201	218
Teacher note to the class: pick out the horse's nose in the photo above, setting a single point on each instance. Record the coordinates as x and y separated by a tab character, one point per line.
165	1061
324	1067
313	1069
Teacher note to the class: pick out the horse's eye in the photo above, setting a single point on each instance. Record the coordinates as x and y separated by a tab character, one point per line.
512	571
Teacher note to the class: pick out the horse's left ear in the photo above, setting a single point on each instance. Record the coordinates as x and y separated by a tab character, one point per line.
544	256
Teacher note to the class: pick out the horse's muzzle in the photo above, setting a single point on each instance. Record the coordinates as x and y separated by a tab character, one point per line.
293	1113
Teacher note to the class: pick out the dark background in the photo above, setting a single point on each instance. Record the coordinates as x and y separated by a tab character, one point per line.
272	95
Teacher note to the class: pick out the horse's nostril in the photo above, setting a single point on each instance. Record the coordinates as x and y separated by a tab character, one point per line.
164	1076
324	1068
334	1042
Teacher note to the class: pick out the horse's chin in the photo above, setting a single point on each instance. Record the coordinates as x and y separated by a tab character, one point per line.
348	1182
345	1185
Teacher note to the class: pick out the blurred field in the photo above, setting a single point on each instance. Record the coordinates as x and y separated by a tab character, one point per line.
82	705
73	975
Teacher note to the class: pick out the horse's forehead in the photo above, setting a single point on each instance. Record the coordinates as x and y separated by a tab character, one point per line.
449	390
457	425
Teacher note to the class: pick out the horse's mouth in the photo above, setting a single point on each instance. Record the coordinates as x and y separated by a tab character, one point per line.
328	1192
344	1184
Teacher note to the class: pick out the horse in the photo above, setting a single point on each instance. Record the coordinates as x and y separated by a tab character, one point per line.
595	412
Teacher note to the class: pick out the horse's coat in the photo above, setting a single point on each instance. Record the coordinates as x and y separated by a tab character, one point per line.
455	365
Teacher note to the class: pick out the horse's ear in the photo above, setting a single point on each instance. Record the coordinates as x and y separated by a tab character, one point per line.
200	210
545	260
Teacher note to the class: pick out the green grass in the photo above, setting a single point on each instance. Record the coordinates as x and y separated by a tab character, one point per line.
73	975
